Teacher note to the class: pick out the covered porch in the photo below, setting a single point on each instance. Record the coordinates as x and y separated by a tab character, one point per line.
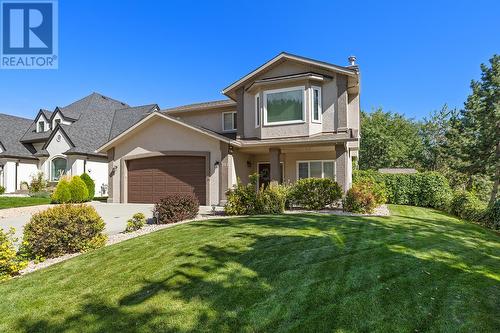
286	163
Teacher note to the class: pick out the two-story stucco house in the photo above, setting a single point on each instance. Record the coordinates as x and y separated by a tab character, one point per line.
291	118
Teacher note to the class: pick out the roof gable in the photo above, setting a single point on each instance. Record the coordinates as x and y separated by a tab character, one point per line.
159	115
279	59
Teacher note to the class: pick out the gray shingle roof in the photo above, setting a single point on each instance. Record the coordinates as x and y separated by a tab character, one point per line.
11	129
31	134
126	118
76	109
201	106
92	128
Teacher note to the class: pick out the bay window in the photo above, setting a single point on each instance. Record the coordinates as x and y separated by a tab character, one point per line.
257	110
284	106
316	104
315	169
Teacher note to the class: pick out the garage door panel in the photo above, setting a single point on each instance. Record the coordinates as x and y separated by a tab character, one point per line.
150	179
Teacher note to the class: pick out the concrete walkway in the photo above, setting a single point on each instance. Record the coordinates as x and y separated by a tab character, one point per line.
115	215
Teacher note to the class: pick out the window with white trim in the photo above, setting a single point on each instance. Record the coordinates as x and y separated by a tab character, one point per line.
284	106
229	121
316	109
257	110
41	126
316	169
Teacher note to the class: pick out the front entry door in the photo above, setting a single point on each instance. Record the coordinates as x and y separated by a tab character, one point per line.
264	174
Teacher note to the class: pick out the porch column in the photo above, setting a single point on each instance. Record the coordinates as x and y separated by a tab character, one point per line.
111	173
274	161
224	171
341	164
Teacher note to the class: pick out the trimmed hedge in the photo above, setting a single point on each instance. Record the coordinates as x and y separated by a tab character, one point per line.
90	185
2	190
468	207
425	189
176	207
63	229
315	193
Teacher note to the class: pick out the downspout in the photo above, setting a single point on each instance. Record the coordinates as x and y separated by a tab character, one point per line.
84	166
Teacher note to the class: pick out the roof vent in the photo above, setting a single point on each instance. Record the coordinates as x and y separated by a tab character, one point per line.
352	60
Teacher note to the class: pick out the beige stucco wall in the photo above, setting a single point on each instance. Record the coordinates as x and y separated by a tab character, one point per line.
162	135
211	119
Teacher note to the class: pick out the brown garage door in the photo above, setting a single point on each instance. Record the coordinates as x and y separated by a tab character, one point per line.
149	179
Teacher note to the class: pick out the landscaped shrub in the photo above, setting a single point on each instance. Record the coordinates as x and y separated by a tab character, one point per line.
64	229
468	207
42	194
315	193
360	198
90	185
10	262
62	194
136	222
271	200
2	190
493	216
248	200
78	189
426	189
176	207
37	183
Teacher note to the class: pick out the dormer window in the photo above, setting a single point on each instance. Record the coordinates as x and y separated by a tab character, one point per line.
229	121
284	106
41	126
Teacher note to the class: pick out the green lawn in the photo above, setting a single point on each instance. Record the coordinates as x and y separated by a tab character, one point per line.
418	270
11	202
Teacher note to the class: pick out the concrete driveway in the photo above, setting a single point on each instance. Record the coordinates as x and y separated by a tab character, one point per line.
114	215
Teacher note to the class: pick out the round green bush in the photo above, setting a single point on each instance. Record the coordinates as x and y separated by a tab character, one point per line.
63	229
90	185
78	189
315	193
136	222
62	194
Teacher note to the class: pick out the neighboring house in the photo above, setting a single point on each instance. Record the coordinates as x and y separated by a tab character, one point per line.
63	141
291	118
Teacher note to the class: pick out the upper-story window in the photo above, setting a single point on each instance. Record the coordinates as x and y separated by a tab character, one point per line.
284	106
257	110
316	104
229	121
41	126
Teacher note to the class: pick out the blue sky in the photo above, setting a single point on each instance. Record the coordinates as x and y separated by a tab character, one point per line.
414	56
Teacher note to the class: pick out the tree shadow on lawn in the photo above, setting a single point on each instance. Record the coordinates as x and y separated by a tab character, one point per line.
306	273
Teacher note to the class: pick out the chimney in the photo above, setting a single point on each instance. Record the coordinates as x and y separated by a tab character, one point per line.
352	60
